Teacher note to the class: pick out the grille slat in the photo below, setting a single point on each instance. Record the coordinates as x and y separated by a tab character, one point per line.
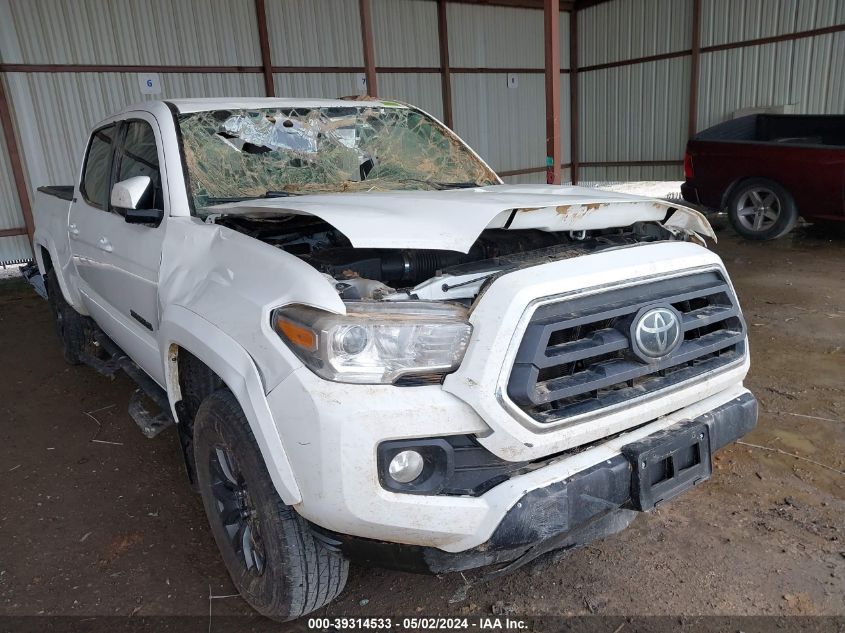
599	342
707	316
620	396
608	373
576	355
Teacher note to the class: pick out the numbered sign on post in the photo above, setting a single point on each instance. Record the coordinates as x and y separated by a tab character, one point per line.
150	84
361	83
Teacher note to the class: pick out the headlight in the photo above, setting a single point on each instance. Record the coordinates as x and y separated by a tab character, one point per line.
376	342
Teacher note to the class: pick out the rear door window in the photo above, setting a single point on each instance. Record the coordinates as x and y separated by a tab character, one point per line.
97	169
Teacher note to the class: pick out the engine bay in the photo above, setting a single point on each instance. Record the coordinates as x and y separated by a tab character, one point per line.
398	273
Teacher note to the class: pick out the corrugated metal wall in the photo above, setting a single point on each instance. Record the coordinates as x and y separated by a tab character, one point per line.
495	37
313	32
534	154
11	248
627	173
728	21
405	35
634	112
807	75
625	29
188	32
505	125
318	85
421	89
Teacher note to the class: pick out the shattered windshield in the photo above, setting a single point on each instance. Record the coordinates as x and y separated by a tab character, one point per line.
234	155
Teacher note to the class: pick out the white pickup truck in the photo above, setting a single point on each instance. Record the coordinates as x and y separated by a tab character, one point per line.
374	350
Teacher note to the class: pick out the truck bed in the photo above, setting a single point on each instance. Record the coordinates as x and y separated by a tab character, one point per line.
50	211
805	130
64	192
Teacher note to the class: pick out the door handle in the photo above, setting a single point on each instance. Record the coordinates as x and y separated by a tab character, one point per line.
105	245
71	228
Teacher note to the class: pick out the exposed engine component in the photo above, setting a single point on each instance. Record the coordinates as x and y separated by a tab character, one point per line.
410	267
361	288
388	265
374	273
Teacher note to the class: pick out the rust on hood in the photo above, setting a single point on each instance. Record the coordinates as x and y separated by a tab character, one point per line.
579	210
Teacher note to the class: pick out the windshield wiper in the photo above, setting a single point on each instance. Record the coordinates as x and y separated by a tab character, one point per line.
281	193
442	185
458	185
267	194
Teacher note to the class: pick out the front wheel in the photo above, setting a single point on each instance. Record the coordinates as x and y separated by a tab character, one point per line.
760	209
278	566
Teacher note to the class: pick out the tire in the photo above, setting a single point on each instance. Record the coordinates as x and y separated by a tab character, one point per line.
70	325
278	566
760	209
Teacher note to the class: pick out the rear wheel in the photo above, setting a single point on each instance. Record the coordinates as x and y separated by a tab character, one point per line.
278	566
761	209
70	325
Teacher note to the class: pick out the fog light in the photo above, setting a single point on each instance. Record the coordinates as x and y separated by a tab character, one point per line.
406	466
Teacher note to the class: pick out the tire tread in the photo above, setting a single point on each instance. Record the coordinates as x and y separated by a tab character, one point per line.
313	576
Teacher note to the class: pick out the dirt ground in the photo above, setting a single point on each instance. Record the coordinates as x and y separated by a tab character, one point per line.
95	519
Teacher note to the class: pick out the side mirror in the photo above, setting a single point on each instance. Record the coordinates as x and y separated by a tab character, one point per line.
127	194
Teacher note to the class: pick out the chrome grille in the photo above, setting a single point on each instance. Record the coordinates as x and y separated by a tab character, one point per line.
576	355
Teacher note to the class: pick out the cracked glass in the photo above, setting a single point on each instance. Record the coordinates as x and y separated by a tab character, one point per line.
233	155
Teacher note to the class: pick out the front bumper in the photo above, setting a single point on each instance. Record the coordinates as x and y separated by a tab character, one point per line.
333	430
591	504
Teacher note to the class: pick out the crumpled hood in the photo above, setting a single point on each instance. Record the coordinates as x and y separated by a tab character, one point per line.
453	219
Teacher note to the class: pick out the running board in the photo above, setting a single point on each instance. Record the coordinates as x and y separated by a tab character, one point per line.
150	424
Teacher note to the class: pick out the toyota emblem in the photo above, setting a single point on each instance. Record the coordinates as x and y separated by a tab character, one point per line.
657	333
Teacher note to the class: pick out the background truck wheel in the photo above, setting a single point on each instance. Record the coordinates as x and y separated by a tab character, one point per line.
278	566
761	209
70	326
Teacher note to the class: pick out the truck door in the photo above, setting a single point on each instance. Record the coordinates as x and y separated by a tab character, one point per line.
119	262
88	209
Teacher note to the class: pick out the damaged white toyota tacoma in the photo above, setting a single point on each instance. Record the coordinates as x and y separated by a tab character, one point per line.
372	349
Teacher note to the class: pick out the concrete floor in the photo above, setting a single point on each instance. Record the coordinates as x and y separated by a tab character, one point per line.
112	528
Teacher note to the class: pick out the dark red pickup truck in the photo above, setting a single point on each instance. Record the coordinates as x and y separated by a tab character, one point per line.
767	169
